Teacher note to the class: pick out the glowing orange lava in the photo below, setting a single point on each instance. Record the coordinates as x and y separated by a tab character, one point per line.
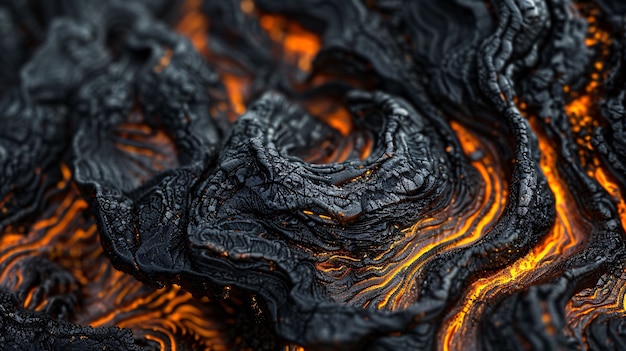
66	234
568	231
394	271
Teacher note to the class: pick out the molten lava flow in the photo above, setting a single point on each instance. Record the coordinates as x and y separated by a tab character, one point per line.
606	298
395	271
568	232
194	25
296	47
293	46
299	45
313	174
92	292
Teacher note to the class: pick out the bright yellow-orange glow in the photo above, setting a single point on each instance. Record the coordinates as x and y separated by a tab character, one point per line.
304	47
579	107
613	189
339	120
68	236
66	175
400	263
582	109
194	25
298	48
235	87
568	231
299	45
332	113
608	298
597	35
163	311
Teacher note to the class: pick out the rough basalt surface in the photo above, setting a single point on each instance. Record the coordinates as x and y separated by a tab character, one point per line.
317	174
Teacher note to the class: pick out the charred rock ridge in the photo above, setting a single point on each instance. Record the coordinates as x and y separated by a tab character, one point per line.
379	175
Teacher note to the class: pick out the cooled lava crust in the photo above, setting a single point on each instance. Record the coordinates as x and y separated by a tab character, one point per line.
312	175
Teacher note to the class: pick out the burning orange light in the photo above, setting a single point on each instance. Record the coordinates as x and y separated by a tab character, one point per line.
394	271
300	46
567	232
194	25
67	235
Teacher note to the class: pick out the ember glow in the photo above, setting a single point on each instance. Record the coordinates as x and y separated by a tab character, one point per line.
313	175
